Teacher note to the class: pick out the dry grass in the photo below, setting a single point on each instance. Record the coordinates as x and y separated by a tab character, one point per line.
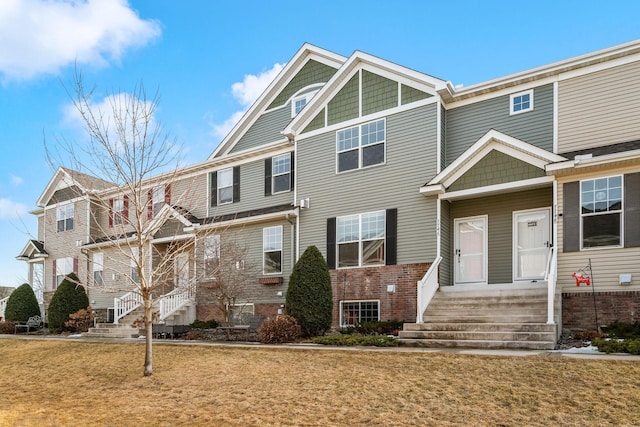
58	383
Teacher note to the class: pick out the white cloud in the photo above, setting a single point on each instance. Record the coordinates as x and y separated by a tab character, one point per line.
16	180
11	209
246	92
42	36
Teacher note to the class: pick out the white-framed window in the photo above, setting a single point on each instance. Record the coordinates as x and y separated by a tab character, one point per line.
133	265
240	314
65	214
64	266
158	198
211	256
353	313
521	102
118	213
281	173
601	206
361	146
272	250
225	186
361	239
98	268
299	102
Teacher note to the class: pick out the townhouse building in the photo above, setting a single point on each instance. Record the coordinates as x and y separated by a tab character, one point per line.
463	211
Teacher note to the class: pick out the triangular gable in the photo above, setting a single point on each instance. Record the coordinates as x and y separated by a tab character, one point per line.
166	214
66	178
306	53
32	250
412	84
490	142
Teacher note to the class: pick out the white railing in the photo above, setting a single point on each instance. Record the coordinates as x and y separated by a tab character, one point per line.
176	299
3	306
125	304
427	288
550	277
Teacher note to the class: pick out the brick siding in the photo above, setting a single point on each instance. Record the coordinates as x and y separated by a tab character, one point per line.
578	309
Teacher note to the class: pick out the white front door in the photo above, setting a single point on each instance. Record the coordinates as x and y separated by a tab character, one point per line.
470	254
181	269
531	241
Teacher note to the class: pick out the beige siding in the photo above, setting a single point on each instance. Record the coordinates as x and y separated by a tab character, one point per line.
598	109
607	264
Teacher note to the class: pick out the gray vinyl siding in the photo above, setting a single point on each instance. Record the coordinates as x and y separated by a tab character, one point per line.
466	124
499	210
191	193
443	138
410	159
600	108
251	192
115	271
265	130
446	278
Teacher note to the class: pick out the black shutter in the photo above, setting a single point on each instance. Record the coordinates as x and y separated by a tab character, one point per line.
213	188
392	237
267	176
331	243
293	180
571	217
236	184
631	210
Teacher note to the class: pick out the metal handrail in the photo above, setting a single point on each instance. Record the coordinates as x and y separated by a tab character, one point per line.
427	288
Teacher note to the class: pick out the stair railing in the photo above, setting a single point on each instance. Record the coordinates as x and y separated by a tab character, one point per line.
551	276
176	299
125	304
427	288
3	306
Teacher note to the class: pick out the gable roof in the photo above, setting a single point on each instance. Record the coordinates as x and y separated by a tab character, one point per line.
32	250
65	178
306	53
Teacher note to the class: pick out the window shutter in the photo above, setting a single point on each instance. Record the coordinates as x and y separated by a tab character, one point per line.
110	212
331	243
213	189
267	176
391	237
54	285
125	209
631	210
167	194
150	203
236	184
571	217
292	174
75	265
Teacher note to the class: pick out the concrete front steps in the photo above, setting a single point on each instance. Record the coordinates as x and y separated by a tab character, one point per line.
484	318
112	330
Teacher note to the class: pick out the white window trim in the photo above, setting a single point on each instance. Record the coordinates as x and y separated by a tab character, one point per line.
515	95
208	255
117	215
273	174
64	266
361	240
360	146
264	252
342	302
219	202
306	96
61	211
98	266
157	198
621	211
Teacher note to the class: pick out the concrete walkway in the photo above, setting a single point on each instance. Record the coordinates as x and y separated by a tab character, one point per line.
577	353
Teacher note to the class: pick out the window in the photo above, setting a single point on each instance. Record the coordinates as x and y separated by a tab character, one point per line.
299	102
601	211
521	102
240	314
98	268
353	313
272	250
211	256
63	266
281	167
361	146
360	239
65	215
119	211
225	186
133	264
157	199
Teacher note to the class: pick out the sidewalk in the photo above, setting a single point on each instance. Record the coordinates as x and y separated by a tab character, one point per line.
576	353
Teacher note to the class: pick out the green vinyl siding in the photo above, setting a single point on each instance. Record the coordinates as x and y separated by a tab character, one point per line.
446	277
467	124
499	209
312	72
496	168
410	94
378	93
345	105
265	130
316	123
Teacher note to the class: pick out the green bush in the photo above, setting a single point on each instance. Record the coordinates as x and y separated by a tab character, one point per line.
617	329
309	297
69	298
357	340
22	304
204	324
279	329
608	346
384	327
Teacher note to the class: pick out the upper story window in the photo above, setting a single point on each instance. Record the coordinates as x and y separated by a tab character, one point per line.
98	268
224	186
119	213
361	239
65	214
361	146
211	256
62	267
272	250
281	168
157	198
299	102
521	102
601	211
133	265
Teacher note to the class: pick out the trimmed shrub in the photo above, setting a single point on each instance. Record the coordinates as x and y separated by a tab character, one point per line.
7	328
81	320
383	327
69	298
357	340
631	346
22	304
619	329
309	296
204	324
279	329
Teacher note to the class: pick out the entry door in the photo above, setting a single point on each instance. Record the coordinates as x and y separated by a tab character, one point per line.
181	269
531	241
470	255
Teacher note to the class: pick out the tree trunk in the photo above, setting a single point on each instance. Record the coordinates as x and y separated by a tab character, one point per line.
148	330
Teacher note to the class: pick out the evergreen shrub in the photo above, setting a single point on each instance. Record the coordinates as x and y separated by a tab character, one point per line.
69	298
21	305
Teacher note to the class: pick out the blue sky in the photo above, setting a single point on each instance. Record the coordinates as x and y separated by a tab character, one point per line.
210	59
